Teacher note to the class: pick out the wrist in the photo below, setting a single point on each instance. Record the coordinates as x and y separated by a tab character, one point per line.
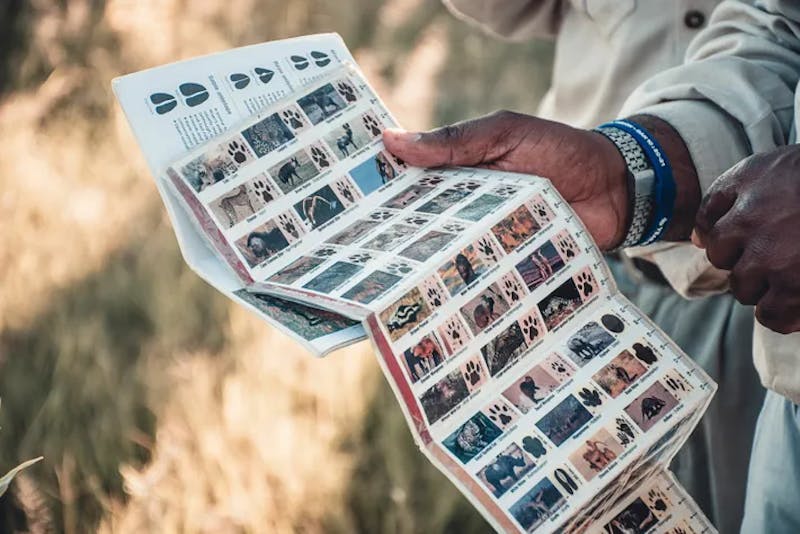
616	183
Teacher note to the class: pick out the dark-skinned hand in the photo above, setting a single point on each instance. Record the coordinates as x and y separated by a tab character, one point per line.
583	165
749	224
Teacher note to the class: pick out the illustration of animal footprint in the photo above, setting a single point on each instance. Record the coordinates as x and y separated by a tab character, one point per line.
500	414
434	297
371	124
321	59
567	247
299	62
344	189
591	397
320	157
454	227
473	372
506	191
533	446
542	210
416	220
239	80
264	75
325	252
512	289
530	328
360	258
237	151
456	333
487	249
288	225
347	91
431	180
381	215
163	102
292	119
585	283
193	94
264	190
675	383
399	268
624	428
399	163
658	500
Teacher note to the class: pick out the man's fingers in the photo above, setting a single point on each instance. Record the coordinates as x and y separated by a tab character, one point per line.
779	312
713	207
467	143
748	281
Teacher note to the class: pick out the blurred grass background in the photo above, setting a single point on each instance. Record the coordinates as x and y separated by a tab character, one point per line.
158	405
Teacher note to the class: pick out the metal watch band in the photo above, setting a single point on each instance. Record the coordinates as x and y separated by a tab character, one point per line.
643	181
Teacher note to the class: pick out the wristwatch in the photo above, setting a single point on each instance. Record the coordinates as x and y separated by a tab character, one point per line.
641	183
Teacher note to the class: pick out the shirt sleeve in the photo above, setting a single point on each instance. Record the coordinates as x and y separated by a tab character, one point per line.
776	359
514	20
733	97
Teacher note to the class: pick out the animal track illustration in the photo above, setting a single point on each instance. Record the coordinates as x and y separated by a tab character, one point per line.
264	190
325	252
456	333
567	247
371	124
657	499
264	75
381	215
472	372
431	180
237	151
239	80
434	296
591	397
506	191
533	446
487	249
559	367
675	384
585	284
512	289
163	102
288	225
320	157
347	91
416	220
624	428
321	59
346	191
193	94
530	327
360	258
467	185
500	414
399	268
399	163
292	119
454	227
541	208
299	62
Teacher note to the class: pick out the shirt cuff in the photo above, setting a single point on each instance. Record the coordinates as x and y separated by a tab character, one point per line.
715	141
685	267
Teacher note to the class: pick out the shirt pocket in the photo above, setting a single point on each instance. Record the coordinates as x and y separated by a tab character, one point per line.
608	15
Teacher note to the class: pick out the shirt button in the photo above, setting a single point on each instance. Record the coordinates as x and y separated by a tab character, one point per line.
694	19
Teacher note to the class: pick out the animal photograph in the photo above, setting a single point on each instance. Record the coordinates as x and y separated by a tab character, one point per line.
319	207
208	169
588	342
373	173
515	229
391	238
540	265
332	277
651	406
502	350
262	243
441	398
636	518
564	420
560	304
462	270
354	232
468	440
267	135
596	454
506	469
321	103
444	200
531	389
296	270
484	309
427	245
346	139
425	356
408	196
236	205
293	171
479	208
537	505
404	314
619	374
371	287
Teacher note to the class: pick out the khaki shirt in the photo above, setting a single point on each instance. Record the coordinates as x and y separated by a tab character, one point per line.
734	96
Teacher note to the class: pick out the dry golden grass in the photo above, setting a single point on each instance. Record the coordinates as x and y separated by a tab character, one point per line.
160	406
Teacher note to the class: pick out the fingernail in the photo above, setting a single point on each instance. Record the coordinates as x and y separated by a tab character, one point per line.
403	135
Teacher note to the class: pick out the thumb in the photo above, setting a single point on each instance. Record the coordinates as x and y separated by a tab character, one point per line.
467	143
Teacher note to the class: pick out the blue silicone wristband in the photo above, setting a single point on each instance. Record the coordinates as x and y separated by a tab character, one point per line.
665	188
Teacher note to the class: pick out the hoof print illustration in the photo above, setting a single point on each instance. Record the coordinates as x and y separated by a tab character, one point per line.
321	59
194	94
163	102
299	62
239	80
264	75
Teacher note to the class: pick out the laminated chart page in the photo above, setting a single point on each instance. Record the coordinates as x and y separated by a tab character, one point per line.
526	378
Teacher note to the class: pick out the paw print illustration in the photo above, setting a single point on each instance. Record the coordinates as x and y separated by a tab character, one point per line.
381	215
624	428
679	530
431	180
585	283
590	397
264	75
657	499
567	247
239	80
299	62
455	332
399	268
541	209
512	289
675	384
320	157
237	151
347	91
533	446
506	191
325	252
263	190
416	220
345	191
399	163
486	248
472	373
559	367
360	258
530	328
501	415
321	59
288	225
371	124
454	227
434	297
292	119
623	439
